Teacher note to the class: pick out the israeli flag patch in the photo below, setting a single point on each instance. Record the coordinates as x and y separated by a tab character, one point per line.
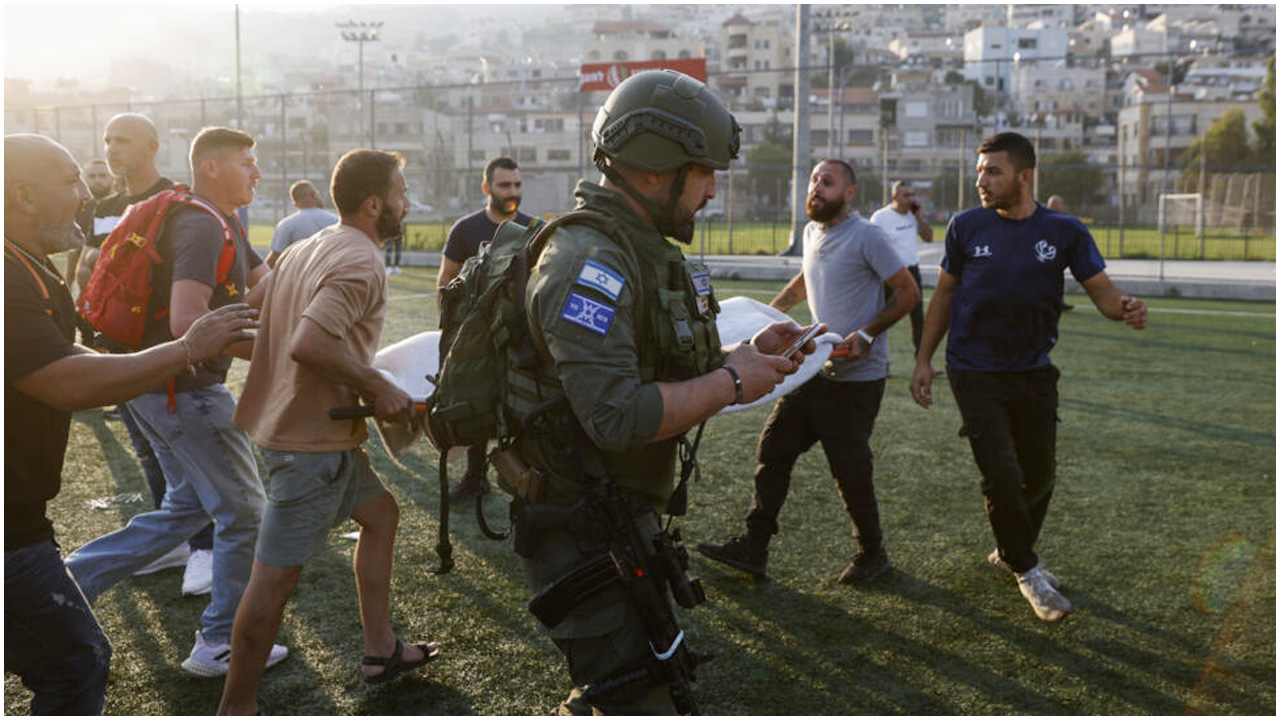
590	314
701	283
595	275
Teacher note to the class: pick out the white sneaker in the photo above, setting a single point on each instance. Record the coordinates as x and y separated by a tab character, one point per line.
998	563
176	557
212	659
1048	603
198	577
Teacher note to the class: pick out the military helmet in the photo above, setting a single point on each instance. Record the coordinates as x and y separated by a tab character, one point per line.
660	120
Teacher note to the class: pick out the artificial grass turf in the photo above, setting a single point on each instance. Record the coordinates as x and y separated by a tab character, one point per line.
1162	528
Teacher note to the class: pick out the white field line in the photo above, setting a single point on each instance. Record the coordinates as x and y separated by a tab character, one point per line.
771	293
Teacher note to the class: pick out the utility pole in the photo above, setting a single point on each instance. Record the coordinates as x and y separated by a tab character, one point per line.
239	88
800	133
360	33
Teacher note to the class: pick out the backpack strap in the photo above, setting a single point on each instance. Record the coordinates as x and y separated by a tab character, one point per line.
12	251
227	257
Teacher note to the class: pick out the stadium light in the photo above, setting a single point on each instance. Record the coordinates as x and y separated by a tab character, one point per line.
360	33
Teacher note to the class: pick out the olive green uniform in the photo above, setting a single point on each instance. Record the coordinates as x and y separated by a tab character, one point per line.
610	321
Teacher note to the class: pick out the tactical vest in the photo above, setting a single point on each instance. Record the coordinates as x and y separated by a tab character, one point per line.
676	314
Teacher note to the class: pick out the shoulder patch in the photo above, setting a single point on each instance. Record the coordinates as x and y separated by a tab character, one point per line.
590	314
701	282
596	275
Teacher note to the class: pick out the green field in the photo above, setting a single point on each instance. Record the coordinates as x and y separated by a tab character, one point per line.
762	238
1162	528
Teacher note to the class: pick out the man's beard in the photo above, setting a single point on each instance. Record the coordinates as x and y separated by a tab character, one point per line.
1000	202
388	225
824	213
60	237
500	205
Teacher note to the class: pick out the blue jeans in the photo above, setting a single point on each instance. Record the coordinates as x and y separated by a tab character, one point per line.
209	471
154	475
52	641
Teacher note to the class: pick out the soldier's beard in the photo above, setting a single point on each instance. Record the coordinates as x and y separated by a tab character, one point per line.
504	206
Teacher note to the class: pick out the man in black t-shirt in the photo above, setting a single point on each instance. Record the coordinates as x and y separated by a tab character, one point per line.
52	640
209	466
98	177
502	190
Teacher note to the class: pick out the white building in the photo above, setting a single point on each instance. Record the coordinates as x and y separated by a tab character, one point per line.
990	52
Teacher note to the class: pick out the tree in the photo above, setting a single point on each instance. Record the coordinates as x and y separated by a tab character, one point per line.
769	164
1265	129
1225	145
1071	175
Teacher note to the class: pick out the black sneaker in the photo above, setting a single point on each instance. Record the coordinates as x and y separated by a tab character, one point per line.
866	567
468	488
737	552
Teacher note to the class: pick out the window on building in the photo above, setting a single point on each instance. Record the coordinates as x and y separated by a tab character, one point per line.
1026	43
477	154
528	155
861	137
766	44
915	138
620	55
915	109
557	155
684	55
658	55
762	92
593	55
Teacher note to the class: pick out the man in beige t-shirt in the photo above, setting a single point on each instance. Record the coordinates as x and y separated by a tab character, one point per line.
321	322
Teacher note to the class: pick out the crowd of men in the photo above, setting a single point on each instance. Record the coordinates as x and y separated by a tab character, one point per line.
626	344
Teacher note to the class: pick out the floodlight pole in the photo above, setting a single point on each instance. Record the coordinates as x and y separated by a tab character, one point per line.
360	33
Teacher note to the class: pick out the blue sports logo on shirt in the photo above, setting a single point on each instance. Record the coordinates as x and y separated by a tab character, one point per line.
595	275
590	314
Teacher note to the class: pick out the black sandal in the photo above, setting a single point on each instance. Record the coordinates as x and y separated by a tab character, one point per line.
395	666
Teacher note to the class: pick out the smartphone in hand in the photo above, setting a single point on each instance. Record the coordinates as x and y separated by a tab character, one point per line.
810	333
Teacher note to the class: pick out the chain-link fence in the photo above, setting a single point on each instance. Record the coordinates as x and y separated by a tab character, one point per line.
921	124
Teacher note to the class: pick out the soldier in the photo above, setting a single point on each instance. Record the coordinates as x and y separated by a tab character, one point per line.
625	330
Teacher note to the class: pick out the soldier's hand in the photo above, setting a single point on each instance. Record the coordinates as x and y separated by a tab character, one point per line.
779	336
760	372
852	348
214	331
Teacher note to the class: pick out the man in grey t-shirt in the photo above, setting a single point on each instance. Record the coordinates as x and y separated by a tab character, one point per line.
847	262
310	219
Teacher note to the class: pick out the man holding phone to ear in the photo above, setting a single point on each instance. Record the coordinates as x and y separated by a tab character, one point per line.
847	262
903	221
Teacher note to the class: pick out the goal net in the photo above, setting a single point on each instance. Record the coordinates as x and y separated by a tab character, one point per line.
1181	212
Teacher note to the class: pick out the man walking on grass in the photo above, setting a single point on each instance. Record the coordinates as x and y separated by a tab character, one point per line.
1000	294
322	316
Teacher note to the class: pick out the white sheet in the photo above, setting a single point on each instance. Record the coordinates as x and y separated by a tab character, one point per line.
409	361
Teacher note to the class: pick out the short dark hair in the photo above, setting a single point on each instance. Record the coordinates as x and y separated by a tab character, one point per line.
214	139
361	174
1019	149
297	189
848	169
505	163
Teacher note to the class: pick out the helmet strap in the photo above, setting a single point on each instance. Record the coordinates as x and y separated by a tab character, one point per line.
663	218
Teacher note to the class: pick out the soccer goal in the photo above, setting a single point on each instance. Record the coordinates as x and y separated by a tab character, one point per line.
1181	210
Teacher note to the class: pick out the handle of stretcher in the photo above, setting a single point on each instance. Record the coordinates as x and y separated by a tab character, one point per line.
351	412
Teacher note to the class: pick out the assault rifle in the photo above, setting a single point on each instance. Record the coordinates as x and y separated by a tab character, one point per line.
647	565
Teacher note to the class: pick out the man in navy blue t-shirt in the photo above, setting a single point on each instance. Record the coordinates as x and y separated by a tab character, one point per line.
502	191
1000	293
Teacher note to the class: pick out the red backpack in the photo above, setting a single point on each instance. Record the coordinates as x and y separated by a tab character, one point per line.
115	300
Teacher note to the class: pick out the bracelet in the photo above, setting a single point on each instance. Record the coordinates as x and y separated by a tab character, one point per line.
186	344
871	340
737	383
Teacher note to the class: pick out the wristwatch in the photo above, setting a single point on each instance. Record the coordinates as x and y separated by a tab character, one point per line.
871	340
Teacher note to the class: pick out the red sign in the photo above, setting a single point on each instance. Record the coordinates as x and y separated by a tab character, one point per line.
606	76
